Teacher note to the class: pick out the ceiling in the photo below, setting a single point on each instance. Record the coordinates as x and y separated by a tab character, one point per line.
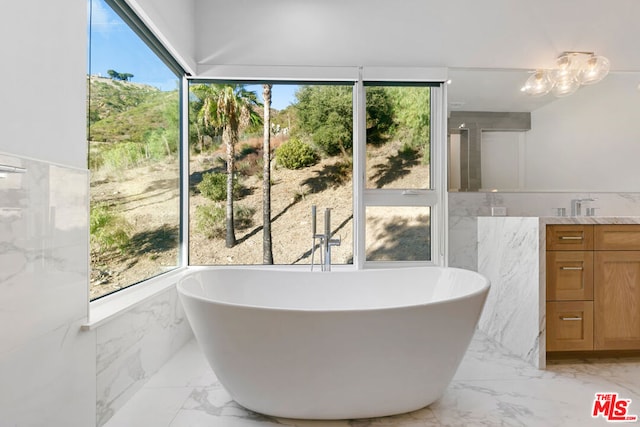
424	33
488	46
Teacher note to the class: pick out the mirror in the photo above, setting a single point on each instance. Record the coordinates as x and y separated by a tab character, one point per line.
588	141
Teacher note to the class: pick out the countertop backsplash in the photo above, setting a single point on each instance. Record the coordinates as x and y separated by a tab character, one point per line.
465	208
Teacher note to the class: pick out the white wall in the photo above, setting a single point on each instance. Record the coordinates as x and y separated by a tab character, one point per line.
589	141
44	63
47	366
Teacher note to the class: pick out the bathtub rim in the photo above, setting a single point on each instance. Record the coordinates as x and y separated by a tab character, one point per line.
484	289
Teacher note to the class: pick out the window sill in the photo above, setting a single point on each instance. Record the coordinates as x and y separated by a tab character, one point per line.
108	308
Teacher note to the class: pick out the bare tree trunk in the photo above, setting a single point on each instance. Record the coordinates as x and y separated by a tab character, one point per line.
200	137
230	139
267	252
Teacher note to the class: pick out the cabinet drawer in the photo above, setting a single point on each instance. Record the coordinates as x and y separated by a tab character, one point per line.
621	237
570	326
570	237
569	275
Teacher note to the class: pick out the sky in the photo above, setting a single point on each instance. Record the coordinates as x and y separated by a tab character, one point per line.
114	46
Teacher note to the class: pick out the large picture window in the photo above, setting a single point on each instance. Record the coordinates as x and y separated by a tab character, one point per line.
307	131
133	134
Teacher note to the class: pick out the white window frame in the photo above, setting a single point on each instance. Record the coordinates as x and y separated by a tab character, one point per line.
434	197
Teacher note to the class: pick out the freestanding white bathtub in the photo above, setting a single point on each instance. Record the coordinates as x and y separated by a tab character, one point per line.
334	345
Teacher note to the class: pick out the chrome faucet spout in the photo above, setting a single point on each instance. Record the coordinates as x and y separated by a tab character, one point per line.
576	206
326	242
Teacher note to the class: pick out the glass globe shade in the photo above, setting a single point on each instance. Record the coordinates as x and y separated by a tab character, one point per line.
538	84
595	69
568	67
565	86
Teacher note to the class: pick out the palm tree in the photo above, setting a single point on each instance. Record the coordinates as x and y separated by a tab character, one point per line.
229	107
267	252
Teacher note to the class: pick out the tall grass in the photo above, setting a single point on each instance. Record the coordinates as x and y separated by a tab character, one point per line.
109	230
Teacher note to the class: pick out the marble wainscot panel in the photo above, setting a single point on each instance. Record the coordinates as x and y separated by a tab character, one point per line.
508	252
133	346
466	207
511	254
47	365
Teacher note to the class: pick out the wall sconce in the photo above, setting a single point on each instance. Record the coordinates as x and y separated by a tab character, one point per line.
574	70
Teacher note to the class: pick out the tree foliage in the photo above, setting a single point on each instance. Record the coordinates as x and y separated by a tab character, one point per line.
119	76
380	114
325	114
412	115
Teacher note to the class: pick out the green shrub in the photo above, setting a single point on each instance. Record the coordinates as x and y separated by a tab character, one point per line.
211	219
214	186
121	156
245	150
109	231
243	216
295	154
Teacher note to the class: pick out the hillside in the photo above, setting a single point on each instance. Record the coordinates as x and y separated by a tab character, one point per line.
121	110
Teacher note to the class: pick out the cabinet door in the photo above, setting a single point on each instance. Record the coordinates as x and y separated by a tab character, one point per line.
569	275
569	237
617	300
569	326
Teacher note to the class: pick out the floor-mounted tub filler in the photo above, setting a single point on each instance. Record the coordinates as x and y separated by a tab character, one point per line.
335	345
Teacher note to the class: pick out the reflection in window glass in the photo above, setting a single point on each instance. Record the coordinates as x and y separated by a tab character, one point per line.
398	233
398	137
133	136
309	130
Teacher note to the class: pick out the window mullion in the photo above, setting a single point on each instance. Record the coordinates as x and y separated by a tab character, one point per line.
184	172
359	171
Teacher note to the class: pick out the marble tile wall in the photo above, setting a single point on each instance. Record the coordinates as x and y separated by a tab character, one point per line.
52	371
133	346
465	208
47	365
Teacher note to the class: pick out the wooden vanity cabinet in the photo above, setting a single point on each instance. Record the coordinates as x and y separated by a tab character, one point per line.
593	287
569	282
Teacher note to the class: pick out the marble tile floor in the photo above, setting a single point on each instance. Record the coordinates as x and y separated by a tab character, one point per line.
491	388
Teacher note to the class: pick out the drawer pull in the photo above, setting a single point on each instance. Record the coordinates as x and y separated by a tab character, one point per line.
571	237
571	268
570	318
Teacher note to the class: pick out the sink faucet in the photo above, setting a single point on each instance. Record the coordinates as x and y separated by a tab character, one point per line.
576	206
326	242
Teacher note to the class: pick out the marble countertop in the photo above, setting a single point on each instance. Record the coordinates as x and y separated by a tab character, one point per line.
579	219
590	220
